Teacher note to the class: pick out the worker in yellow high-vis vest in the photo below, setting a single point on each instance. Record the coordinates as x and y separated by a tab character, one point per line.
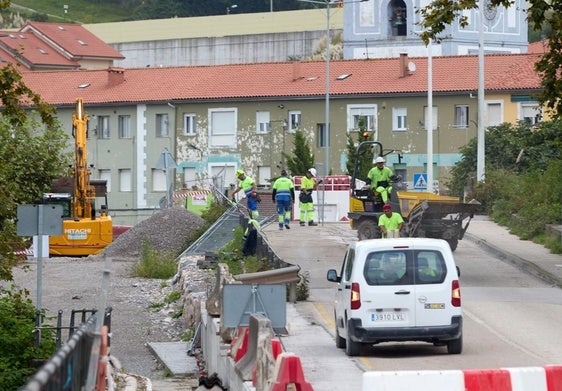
308	183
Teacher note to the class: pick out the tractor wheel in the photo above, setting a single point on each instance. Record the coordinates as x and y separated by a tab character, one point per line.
368	229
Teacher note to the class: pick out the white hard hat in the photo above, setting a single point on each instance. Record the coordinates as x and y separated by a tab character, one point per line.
312	171
379	160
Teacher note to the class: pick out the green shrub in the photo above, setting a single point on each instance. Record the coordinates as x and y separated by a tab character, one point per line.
303	292
210	215
172	297
154	263
17	339
231	254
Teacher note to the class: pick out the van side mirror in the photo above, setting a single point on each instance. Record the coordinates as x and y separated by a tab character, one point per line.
332	275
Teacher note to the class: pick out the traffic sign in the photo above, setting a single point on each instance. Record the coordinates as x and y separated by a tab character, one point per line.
39	220
420	181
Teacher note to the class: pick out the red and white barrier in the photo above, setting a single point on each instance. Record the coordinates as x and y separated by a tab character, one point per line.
548	378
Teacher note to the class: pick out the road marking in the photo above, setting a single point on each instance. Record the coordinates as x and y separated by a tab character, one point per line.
331	326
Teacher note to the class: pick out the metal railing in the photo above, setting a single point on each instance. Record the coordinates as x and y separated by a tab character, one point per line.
67	369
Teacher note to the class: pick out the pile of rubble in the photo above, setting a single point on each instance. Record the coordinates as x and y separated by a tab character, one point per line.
166	230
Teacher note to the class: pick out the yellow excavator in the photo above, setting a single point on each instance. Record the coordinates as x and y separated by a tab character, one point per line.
84	233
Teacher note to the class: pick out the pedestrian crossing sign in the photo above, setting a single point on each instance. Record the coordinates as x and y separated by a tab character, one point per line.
420	181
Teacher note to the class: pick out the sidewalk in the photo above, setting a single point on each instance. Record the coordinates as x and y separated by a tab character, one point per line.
531	257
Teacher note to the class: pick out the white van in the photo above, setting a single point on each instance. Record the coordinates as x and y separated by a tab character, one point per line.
403	289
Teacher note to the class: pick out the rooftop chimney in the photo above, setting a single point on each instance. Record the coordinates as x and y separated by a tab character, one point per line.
404	65
115	76
297	74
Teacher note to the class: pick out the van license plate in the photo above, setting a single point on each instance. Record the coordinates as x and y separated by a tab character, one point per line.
387	317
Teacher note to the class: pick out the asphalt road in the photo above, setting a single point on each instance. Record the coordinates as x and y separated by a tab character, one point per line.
511	317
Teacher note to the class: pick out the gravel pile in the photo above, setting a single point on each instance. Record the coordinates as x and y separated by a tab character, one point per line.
166	230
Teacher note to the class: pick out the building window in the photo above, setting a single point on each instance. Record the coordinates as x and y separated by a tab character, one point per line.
399	119
223	174
189	177
162	128
321	136
103	126
189	124
361	117
295	118
494	115
530	112
222	127
262	121
264	175
435	117
461	116
125	180
106	176
124	126
158	180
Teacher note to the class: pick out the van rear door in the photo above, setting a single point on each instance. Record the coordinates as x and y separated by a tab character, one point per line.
433	289
388	295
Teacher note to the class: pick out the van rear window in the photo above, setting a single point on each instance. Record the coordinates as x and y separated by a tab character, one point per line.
404	267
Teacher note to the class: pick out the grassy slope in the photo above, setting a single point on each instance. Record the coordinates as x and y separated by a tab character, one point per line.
81	11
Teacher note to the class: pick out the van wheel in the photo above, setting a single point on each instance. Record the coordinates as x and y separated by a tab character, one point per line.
352	348
455	346
340	342
367	229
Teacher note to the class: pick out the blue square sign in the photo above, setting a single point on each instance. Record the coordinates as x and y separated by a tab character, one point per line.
420	181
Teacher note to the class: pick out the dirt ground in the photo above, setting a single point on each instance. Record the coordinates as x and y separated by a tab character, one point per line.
76	283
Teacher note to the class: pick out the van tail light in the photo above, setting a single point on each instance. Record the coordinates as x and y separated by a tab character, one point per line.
355	296
456	294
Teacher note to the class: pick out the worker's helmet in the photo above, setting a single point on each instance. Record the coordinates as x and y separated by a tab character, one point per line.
239	173
386	207
312	171
379	160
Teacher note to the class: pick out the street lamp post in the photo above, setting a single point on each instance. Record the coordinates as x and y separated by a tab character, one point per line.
328	3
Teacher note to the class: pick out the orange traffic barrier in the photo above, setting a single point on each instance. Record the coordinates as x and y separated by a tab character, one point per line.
288	371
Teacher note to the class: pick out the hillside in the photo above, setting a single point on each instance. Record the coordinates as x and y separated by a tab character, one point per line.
105	11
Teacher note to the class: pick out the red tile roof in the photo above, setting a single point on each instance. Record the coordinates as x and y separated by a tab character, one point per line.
538	47
74	39
378	77
33	52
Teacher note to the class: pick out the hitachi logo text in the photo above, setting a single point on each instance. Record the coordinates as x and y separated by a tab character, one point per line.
82	231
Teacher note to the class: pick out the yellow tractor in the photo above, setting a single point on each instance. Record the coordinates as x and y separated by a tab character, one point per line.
425	214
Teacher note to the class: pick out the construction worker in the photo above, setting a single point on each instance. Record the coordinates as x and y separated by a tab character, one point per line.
248	185
390	222
379	178
283	195
308	183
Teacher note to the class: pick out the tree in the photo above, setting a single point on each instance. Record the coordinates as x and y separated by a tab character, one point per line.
440	13
30	155
366	157
512	150
302	158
